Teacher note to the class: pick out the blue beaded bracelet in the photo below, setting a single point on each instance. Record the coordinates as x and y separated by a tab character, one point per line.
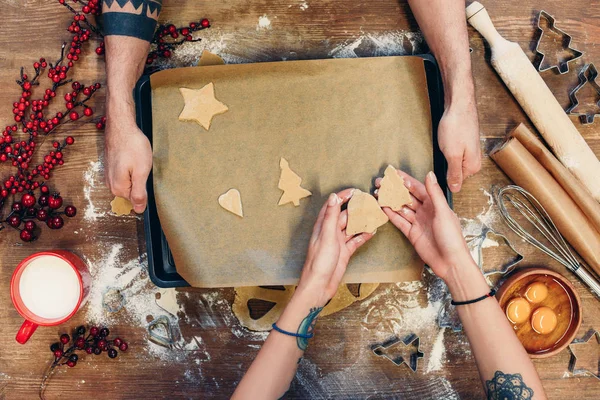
298	335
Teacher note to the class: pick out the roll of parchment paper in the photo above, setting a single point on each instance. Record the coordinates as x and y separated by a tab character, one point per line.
579	194
522	167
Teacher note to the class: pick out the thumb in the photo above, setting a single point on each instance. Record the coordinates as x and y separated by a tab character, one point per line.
139	196
455	173
435	191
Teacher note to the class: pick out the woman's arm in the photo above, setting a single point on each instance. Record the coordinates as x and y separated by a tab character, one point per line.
329	251
434	231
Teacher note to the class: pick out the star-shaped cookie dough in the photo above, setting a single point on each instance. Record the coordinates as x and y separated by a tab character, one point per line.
585	355
201	105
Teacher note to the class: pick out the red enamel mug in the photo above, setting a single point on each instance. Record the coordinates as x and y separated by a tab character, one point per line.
47	289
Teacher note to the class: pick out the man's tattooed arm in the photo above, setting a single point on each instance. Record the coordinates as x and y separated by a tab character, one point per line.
507	387
135	18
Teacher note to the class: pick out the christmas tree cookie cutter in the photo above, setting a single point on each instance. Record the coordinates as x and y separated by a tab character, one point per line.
587	76
573	361
412	339
563	66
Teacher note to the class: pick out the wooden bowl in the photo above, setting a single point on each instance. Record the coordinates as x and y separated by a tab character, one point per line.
562	299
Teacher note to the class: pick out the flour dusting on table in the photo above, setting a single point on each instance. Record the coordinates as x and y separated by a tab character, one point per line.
394	43
92	178
263	23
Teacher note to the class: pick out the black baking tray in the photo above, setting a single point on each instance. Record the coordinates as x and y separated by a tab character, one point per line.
161	265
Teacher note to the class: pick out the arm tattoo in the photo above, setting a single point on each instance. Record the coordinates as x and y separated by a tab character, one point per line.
507	387
307	326
136	18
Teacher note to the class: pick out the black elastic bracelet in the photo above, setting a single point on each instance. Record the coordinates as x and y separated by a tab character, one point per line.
492	293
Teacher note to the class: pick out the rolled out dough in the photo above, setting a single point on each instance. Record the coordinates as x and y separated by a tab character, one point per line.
392	192
121	206
232	202
208	58
364	214
201	105
290	182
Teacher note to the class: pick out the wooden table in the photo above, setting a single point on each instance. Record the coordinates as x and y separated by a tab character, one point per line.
338	364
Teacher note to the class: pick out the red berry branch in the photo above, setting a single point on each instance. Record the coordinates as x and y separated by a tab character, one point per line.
95	342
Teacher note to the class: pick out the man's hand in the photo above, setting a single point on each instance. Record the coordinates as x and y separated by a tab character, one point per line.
128	162
458	137
329	250
430	225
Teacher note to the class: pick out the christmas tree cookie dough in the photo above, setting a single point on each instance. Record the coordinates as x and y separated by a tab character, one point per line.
392	192
232	202
364	214
121	206
290	182
201	105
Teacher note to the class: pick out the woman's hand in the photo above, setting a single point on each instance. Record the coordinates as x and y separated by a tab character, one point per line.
329	250
430	225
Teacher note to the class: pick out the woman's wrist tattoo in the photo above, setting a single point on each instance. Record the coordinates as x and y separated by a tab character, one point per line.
135	18
307	326
507	386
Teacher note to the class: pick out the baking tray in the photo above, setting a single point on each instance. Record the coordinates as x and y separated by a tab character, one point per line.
161	265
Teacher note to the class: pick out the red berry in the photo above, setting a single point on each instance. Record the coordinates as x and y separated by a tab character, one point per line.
80	343
16	205
70	140
205	23
64	338
58	353
14	221
73	115
28	200
89	350
102	344
26	235
94	331
43	200
117	341
57	222
42	215
55	201
71	364
70	211
123	346
29	226
44	189
88	112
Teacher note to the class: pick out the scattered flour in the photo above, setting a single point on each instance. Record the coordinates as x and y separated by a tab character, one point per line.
92	177
304	6
487	217
437	352
394	43
263	23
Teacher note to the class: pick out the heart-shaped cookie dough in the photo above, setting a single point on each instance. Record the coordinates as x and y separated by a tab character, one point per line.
232	202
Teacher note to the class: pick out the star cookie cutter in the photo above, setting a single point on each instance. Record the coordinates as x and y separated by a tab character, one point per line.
410	340
587	75
563	66
573	361
480	240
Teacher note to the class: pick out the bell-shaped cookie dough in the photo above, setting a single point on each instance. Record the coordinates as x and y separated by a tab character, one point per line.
364	214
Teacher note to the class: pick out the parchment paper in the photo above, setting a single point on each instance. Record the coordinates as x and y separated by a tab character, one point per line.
338	122
572	185
522	167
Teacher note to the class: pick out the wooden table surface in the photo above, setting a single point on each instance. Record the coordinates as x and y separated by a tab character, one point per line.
338	364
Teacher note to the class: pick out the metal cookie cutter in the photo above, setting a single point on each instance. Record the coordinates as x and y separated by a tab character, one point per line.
588	336
563	66
412	339
480	242
587	75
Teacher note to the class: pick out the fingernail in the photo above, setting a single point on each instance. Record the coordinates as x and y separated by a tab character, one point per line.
376	191
407	184
454	185
432	176
333	199
404	210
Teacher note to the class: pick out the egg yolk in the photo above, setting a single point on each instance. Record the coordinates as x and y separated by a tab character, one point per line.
518	310
536	292
543	320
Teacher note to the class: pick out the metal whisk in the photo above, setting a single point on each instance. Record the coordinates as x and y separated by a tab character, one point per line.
556	246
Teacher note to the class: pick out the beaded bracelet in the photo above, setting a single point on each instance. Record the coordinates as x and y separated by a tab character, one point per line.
298	335
492	293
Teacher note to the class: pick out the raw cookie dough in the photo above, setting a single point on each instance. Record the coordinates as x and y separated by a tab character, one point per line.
232	202
392	192
201	105
208	58
121	206
364	214
289	182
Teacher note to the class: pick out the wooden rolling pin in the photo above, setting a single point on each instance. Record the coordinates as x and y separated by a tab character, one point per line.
532	93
